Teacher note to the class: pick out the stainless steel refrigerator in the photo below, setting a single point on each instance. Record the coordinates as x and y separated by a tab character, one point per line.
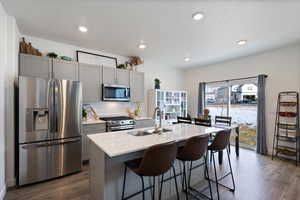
48	141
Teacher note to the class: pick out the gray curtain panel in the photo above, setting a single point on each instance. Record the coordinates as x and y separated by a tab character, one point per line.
261	116
201	98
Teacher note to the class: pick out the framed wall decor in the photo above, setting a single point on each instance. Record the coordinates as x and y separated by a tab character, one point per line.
96	59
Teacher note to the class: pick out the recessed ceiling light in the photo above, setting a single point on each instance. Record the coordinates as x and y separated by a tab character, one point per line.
198	16
82	29
241	42
142	46
187	59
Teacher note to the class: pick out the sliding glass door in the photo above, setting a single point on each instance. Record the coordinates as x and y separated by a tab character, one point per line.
217	98
237	99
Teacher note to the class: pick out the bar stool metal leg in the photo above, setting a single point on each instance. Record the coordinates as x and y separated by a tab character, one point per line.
185	182
175	179
216	177
231	172
153	195
143	187
161	186
190	172
207	176
124	181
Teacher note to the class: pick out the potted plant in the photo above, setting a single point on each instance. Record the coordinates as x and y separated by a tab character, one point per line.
84	114
157	83
122	66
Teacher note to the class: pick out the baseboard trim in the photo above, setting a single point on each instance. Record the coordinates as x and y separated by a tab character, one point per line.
3	192
11	183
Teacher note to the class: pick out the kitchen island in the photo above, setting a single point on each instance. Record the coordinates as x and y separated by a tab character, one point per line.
109	151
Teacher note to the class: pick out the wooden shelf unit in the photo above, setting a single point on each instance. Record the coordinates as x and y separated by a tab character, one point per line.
286	133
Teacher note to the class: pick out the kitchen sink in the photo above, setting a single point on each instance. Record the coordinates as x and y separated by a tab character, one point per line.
148	132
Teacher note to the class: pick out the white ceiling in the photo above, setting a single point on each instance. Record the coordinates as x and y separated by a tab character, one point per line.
165	26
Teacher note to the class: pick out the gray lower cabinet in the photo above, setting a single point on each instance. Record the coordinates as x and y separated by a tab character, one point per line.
88	129
34	66
91	80
144	123
137	86
65	69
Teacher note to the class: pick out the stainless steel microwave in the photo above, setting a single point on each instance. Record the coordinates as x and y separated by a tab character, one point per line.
115	92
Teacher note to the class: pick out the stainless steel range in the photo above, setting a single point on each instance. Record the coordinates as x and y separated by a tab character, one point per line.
118	123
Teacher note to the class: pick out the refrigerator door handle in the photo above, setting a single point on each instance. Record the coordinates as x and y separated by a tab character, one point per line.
57	143
59	106
52	143
51	106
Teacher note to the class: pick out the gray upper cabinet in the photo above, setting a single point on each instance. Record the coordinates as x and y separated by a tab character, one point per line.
123	77
137	82
65	69
34	66
91	79
109	75
116	76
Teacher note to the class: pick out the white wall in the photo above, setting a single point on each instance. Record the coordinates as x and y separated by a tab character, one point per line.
8	64
281	65
171	78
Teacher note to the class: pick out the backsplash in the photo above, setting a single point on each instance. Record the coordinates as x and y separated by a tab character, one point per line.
115	108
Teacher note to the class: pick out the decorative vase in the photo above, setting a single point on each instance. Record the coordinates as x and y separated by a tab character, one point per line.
157	86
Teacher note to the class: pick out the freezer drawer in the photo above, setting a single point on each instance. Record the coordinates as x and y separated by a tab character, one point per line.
46	160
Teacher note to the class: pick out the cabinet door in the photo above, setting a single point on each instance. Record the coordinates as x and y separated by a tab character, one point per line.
91	79
34	66
89	129
65	70
109	75
137	87
123	77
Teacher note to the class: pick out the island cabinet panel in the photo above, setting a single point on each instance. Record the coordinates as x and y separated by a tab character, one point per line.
65	70
35	66
91	80
123	77
144	123
109	75
89	129
137	86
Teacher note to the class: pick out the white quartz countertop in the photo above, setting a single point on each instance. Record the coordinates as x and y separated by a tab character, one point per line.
120	142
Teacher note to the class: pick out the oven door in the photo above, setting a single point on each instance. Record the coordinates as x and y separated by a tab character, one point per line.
115	93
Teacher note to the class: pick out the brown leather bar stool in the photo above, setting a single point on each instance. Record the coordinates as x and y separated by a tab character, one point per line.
220	143
194	149
157	160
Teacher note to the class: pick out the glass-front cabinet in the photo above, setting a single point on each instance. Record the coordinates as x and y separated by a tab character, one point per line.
173	104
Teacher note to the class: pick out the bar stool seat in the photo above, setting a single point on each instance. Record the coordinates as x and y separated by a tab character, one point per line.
133	165
157	160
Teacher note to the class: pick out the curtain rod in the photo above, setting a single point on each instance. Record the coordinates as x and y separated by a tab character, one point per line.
236	79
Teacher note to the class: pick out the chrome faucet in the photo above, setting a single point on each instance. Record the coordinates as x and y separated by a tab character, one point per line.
160	114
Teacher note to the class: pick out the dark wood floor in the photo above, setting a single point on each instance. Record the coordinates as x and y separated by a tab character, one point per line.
257	178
